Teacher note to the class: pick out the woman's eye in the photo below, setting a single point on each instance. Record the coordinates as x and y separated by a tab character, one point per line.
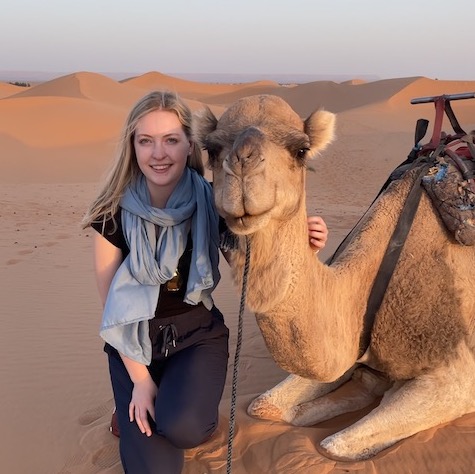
144	141
172	141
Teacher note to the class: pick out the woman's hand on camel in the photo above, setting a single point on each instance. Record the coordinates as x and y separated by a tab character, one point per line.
142	404
317	233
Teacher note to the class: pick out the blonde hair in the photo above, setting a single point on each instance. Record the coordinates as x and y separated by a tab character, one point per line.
125	168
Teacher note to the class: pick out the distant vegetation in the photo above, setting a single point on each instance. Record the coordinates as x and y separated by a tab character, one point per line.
21	84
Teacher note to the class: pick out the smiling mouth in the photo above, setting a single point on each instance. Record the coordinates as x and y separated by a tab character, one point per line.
160	167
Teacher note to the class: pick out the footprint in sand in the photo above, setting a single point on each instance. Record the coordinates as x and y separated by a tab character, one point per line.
98	450
25	252
106	456
14	261
96	461
78	459
94	414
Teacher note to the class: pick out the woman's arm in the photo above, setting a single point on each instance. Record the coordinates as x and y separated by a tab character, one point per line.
107	259
143	395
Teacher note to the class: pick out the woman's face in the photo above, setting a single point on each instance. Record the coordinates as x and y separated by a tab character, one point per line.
162	149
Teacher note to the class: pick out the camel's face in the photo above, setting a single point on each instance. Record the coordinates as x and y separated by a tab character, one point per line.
258	151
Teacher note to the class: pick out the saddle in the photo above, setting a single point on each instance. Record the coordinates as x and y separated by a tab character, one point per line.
450	180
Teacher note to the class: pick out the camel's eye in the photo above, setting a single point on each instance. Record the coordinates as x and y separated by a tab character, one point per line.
301	152
213	152
298	151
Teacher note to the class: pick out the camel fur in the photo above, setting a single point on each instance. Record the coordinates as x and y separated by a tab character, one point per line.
421	355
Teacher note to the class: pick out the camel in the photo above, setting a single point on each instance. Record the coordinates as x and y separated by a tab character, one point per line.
420	363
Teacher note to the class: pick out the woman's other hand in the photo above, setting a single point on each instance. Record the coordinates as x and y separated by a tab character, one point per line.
142	404
317	233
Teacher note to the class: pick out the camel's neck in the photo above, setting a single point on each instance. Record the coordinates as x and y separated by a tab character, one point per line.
294	295
280	255
308	311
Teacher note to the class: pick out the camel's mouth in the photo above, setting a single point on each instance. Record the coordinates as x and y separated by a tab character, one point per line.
247	224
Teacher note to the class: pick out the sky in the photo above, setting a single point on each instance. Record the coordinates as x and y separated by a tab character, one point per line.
403	38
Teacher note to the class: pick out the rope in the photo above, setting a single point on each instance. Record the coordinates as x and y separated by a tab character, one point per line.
236	358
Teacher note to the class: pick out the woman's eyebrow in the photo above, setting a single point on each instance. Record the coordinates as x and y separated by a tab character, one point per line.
167	134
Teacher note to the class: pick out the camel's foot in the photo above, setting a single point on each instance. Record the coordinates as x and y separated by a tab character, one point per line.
339	448
280	402
263	408
365	387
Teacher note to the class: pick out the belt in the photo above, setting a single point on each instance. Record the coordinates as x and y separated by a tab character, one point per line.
168	335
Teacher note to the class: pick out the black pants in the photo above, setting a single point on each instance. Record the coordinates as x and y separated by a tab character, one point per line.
190	384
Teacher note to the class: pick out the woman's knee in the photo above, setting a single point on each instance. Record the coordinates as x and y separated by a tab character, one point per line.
187	431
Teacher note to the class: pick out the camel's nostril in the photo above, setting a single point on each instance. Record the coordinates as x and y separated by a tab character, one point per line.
245	155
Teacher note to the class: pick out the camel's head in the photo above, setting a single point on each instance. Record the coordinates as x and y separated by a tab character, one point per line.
258	152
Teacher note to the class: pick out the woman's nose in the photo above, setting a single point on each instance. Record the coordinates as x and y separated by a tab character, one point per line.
158	150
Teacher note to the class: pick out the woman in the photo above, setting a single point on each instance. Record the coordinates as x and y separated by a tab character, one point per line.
156	264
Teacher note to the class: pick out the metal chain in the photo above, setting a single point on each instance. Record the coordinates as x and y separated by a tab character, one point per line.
236	358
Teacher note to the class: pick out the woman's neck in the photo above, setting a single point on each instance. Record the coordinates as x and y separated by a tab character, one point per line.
159	195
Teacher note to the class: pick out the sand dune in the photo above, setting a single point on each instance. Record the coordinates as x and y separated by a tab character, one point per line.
7	89
190	89
339	98
57	140
424	87
58	121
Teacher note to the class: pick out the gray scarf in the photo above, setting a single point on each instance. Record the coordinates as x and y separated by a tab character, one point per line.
152	261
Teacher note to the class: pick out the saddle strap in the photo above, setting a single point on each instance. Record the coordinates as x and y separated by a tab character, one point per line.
390	259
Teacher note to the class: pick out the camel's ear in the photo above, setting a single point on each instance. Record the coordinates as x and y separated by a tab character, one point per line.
320	128
204	122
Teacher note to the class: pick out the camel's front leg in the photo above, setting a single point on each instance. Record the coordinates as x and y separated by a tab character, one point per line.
436	397
363	389
280	402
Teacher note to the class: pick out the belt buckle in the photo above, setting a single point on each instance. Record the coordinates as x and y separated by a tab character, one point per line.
175	283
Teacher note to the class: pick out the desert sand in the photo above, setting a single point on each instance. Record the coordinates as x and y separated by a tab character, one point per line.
57	140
